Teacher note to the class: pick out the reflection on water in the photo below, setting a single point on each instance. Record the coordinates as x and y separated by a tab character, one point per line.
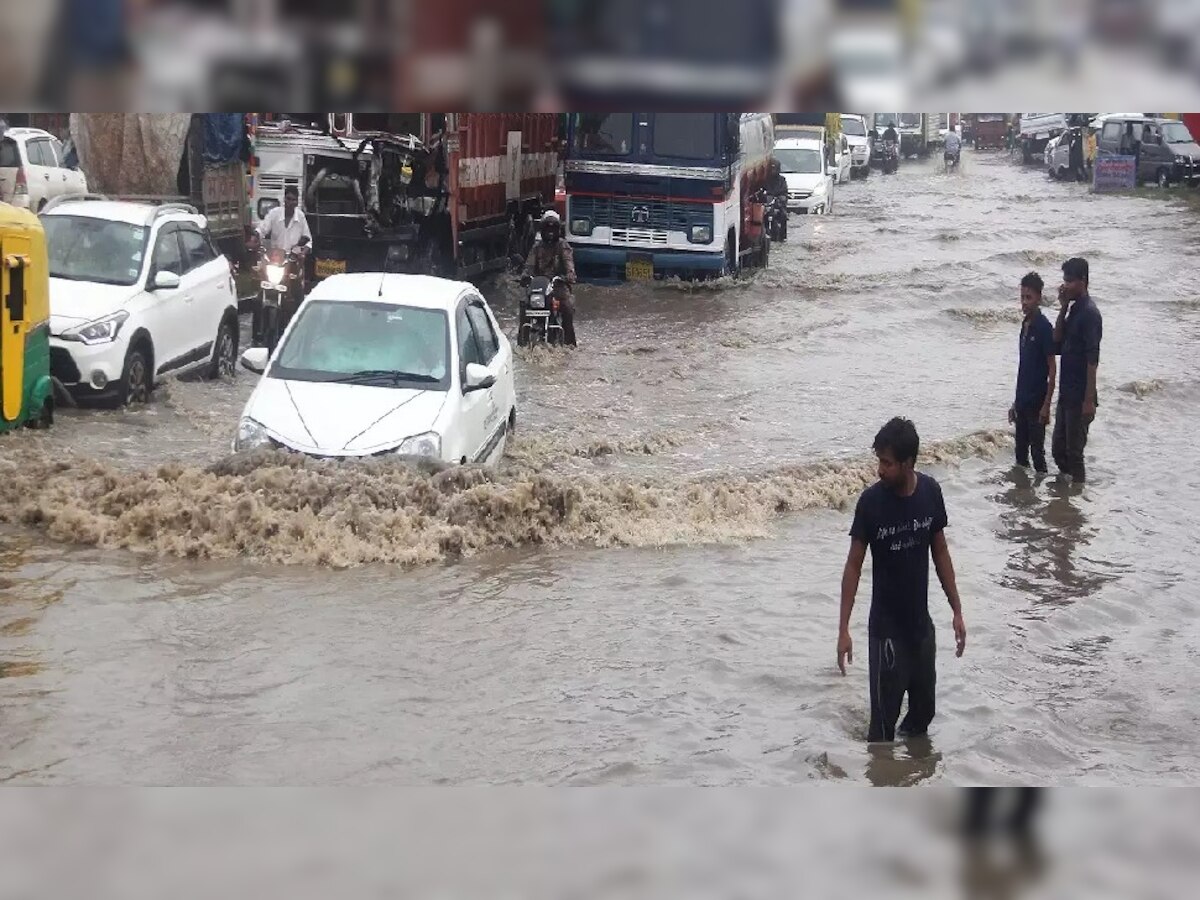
903	763
1046	523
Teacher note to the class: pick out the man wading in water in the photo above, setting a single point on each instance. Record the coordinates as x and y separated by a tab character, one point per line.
902	518
1077	336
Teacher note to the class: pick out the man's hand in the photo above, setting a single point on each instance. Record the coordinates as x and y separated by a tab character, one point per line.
960	634
1063	300
1012	415
1044	415
845	650
1089	410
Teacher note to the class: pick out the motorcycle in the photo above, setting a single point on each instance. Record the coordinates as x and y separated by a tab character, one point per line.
540	316
775	217
891	157
951	159
280	291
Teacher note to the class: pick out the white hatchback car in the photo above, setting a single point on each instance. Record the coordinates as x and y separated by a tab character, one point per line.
375	365
33	170
138	292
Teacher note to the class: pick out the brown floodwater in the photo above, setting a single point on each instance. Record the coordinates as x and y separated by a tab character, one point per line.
646	591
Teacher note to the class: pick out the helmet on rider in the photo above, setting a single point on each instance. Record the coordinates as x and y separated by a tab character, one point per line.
550	227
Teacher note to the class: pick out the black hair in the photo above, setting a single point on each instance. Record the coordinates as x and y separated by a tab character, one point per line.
1033	280
900	437
293	190
1075	269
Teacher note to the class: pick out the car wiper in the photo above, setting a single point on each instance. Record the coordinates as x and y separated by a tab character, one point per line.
393	375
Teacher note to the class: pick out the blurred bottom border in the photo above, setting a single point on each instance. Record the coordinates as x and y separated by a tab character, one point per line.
598	842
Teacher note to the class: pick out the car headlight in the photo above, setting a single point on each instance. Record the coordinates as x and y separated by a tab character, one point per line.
581	227
102	331
427	444
251	435
1182	160
700	234
275	274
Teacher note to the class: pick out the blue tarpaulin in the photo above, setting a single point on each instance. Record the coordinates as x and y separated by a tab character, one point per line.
222	137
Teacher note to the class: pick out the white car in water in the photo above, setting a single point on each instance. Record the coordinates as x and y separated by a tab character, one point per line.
808	174
385	365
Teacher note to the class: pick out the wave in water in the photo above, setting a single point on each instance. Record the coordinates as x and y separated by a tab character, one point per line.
289	509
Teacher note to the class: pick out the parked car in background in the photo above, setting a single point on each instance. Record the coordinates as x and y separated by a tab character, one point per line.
385	365
138	293
33	169
854	127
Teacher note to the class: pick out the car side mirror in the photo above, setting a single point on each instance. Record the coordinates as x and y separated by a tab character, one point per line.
165	281
477	378
255	359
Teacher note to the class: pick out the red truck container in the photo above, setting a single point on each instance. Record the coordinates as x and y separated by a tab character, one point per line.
458	201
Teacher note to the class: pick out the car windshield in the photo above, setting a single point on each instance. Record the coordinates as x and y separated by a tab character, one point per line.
96	250
798	161
367	342
853	127
1176	133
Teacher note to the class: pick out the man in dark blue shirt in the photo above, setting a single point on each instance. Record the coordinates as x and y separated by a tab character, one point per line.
1030	411
902	518
1077	336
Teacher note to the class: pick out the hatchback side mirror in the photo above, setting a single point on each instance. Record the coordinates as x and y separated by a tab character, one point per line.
477	378
165	281
255	359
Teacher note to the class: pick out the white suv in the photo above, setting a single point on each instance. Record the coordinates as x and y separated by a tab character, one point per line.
33	169
138	292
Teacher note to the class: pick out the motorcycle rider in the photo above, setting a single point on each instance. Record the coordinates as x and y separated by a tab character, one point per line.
283	228
550	257
953	146
777	191
889	134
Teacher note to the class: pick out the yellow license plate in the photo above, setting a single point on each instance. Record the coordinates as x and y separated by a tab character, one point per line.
327	267
639	270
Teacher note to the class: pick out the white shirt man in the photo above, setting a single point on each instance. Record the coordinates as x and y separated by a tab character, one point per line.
281	230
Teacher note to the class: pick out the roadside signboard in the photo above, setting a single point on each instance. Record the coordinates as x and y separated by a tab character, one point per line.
1114	173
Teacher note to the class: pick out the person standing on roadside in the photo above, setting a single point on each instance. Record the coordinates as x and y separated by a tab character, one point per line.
902	518
1030	411
1077	336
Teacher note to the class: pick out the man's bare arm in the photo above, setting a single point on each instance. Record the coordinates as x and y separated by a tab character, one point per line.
851	575
945	571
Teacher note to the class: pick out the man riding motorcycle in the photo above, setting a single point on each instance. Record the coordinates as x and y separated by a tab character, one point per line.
889	134
283	228
550	257
953	147
777	192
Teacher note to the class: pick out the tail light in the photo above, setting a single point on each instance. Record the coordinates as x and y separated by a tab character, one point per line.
22	187
554	304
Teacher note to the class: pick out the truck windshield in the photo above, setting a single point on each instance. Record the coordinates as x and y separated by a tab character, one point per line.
603	134
798	161
685	135
910	120
883	120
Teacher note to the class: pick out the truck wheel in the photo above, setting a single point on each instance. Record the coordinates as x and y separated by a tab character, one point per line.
1164	179
731	260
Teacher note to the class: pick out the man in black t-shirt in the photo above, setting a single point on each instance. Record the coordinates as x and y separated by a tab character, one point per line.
902	518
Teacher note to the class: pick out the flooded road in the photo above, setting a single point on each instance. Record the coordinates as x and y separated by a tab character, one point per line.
648	591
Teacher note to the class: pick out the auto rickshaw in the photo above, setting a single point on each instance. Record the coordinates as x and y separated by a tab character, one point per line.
26	391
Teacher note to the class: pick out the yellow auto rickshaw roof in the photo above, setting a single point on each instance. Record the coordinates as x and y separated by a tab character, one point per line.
14	217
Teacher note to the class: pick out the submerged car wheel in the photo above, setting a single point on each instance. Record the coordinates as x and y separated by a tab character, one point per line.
135	380
1164	178
224	361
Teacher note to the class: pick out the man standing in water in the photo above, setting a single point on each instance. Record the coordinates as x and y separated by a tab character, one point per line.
1077	335
902	518
1030	411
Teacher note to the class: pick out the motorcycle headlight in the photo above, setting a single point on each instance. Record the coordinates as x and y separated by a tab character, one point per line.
275	274
537	300
700	234
251	435
428	444
102	331
581	227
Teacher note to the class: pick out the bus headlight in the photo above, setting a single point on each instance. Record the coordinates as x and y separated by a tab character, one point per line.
700	234
581	227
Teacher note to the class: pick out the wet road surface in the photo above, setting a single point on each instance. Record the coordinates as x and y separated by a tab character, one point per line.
648	591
